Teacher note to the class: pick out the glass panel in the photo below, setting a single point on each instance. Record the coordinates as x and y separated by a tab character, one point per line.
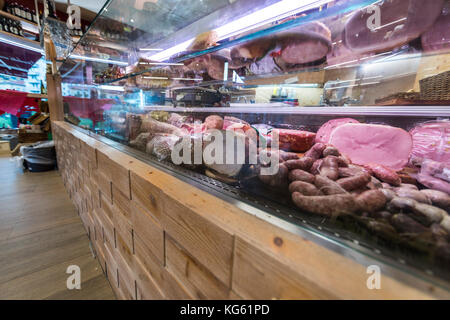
370	78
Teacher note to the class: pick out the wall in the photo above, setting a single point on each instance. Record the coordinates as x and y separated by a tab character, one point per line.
157	237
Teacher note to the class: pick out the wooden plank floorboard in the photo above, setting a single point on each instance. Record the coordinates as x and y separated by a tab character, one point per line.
41	234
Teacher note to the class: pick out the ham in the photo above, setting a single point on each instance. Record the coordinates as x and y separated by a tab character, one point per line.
324	133
431	140
295	140
367	144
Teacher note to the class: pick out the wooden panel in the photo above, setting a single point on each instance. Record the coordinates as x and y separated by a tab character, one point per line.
146	196
104	184
149	230
205	241
200	282
114	172
256	275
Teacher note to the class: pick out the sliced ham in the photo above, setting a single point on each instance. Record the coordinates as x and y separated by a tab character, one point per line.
371	143
324	133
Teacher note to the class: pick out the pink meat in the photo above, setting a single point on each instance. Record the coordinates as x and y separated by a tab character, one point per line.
371	143
431	140
324	133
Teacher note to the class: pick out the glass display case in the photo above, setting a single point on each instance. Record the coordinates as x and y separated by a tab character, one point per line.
332	116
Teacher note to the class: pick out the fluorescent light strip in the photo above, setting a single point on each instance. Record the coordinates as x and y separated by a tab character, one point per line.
119	63
277	11
161	64
156	78
150	49
188	79
20	45
112	88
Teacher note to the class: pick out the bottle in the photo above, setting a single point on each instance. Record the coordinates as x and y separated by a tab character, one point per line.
16	9
1	24
34	16
19	29
7	7
5	25
28	14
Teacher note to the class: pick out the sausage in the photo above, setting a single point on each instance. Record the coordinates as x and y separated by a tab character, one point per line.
381	228
385	215
331	151
316	151
278	180
301	175
445	223
330	168
439	233
331	206
304	188
350	171
304	163
328	186
401	204
412	194
427	214
388	193
315	168
385	174
356	182
408	185
438	198
371	201
405	224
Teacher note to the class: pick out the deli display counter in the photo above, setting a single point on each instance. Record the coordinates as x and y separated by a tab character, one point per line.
317	131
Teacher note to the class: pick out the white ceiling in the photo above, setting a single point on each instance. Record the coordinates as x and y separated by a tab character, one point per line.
92	5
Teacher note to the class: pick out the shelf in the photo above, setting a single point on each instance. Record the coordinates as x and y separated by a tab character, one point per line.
37	96
21	42
279	108
13	17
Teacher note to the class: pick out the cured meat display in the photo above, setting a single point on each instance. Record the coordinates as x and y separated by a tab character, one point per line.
324	133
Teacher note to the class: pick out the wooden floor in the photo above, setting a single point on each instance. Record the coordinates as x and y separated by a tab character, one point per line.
41	235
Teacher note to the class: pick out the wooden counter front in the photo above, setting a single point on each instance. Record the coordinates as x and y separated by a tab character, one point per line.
158	237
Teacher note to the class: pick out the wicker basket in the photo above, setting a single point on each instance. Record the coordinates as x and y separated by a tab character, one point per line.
436	87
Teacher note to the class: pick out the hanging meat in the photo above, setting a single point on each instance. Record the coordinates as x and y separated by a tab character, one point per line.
390	24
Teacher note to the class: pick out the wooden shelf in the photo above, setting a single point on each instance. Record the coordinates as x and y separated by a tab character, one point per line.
13	17
37	96
9	37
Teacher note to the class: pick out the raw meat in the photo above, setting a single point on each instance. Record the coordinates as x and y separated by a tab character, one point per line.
400	22
324	133
370	143
431	140
295	140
